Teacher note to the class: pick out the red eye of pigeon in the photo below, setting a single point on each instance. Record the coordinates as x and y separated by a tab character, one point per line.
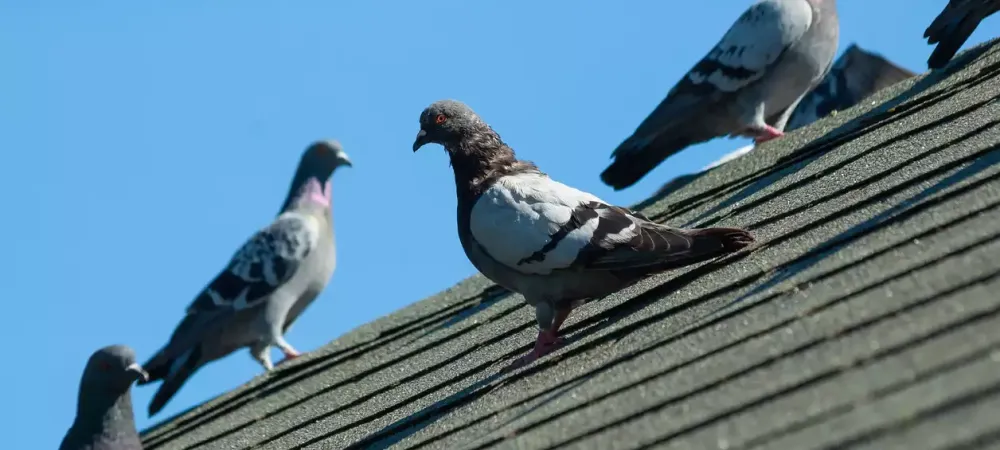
440	119
104	366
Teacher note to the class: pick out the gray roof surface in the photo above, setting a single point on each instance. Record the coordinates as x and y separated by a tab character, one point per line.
866	318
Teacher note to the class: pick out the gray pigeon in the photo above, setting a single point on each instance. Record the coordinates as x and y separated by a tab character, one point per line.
748	85
953	27
268	282
555	245
104	418
856	74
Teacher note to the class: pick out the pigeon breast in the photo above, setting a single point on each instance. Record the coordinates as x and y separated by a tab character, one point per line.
535	225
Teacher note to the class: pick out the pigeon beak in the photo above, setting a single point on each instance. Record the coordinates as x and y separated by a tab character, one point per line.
421	140
345	161
138	371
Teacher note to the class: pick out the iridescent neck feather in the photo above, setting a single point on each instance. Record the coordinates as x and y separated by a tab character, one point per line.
311	192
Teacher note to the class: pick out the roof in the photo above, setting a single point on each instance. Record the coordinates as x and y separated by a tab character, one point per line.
866	317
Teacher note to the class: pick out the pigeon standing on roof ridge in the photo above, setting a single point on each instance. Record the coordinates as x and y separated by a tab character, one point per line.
856	75
747	85
268	282
551	243
953	26
104	418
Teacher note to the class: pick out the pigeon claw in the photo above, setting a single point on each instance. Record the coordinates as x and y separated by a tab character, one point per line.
546	343
767	133
290	354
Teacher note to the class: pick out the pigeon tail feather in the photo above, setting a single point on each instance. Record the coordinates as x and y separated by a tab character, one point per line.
705	244
636	157
156	369
731	239
952	28
173	380
708	243
948	46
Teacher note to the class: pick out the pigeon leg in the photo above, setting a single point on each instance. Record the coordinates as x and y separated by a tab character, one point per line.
557	321
262	354
767	133
547	342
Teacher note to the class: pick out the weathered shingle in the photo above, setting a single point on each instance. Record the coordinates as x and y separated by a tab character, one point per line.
866	318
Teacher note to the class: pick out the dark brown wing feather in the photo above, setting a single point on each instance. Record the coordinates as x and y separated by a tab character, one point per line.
647	244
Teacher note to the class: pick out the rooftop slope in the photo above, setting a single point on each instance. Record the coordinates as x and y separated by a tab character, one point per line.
867	317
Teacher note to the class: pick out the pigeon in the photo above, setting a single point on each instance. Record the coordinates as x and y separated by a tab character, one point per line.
555	245
954	25
856	74
104	419
748	85
267	284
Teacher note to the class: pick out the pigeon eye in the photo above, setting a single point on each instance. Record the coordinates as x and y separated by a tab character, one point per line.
440	119
104	366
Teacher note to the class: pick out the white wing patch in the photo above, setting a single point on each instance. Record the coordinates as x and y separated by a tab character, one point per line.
753	43
517	216
266	261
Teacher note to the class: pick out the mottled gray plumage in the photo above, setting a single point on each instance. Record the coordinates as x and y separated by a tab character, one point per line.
748	85
954	25
856	75
104	418
268	282
552	243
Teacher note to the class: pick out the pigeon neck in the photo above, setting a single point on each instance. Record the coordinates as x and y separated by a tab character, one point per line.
479	161
308	191
99	411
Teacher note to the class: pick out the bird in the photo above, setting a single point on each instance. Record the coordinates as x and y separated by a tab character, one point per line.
266	285
747	85
555	245
857	74
104	418
953	26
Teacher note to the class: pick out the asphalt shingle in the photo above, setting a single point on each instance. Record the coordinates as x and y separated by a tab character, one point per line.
865	318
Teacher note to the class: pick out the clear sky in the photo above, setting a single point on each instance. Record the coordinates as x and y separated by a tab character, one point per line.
141	145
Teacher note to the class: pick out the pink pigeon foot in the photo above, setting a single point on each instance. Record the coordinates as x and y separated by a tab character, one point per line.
546	343
767	133
290	354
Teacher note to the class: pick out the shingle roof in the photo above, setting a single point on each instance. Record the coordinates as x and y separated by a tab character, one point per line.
867	317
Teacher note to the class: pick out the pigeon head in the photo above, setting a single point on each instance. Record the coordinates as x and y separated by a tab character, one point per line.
112	369
447	122
311	184
104	417
475	150
324	157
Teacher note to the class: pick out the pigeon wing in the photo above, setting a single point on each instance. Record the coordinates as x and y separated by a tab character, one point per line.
263	264
535	225
754	43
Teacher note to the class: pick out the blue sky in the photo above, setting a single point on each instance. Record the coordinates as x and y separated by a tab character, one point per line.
143	144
